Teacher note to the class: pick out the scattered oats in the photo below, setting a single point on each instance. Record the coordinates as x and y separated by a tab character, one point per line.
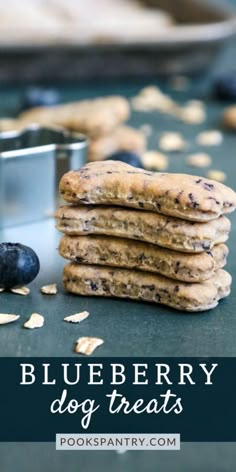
157	99
199	160
150	91
218	175
77	317
35	321
87	345
20	290
154	160
2	289
146	129
152	98
179	83
49	289
210	138
6	318
172	142
193	112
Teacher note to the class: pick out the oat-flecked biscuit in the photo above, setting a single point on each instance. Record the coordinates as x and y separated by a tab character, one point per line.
93	117
124	253
116	183
137	285
122	138
165	231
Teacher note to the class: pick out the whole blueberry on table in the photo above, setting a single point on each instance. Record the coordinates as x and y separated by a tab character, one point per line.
39	96
19	265
126	156
225	87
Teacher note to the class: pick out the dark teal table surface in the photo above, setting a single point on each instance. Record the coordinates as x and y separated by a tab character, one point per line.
128	328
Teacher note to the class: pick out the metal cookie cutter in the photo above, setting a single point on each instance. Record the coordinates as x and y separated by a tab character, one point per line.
31	164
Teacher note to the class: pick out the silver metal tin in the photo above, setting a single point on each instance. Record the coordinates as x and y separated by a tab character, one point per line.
31	163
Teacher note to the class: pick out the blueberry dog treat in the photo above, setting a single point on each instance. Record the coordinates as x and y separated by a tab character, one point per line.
93	117
123	138
165	231
124	253
115	183
137	285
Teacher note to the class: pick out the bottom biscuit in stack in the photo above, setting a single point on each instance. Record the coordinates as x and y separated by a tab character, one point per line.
137	285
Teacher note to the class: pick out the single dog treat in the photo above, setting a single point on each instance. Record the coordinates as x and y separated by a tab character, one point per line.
116	183
124	138
93	117
124	253
165	231
137	285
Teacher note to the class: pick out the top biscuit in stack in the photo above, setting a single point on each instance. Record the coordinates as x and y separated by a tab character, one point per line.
180	212
180	195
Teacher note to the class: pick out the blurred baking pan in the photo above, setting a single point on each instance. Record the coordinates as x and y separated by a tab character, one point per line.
201	29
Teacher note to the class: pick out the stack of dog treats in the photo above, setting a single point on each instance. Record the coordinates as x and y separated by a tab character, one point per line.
101	119
135	234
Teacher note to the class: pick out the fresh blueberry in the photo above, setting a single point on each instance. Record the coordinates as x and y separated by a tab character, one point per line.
225	87
39	96
19	265
126	156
